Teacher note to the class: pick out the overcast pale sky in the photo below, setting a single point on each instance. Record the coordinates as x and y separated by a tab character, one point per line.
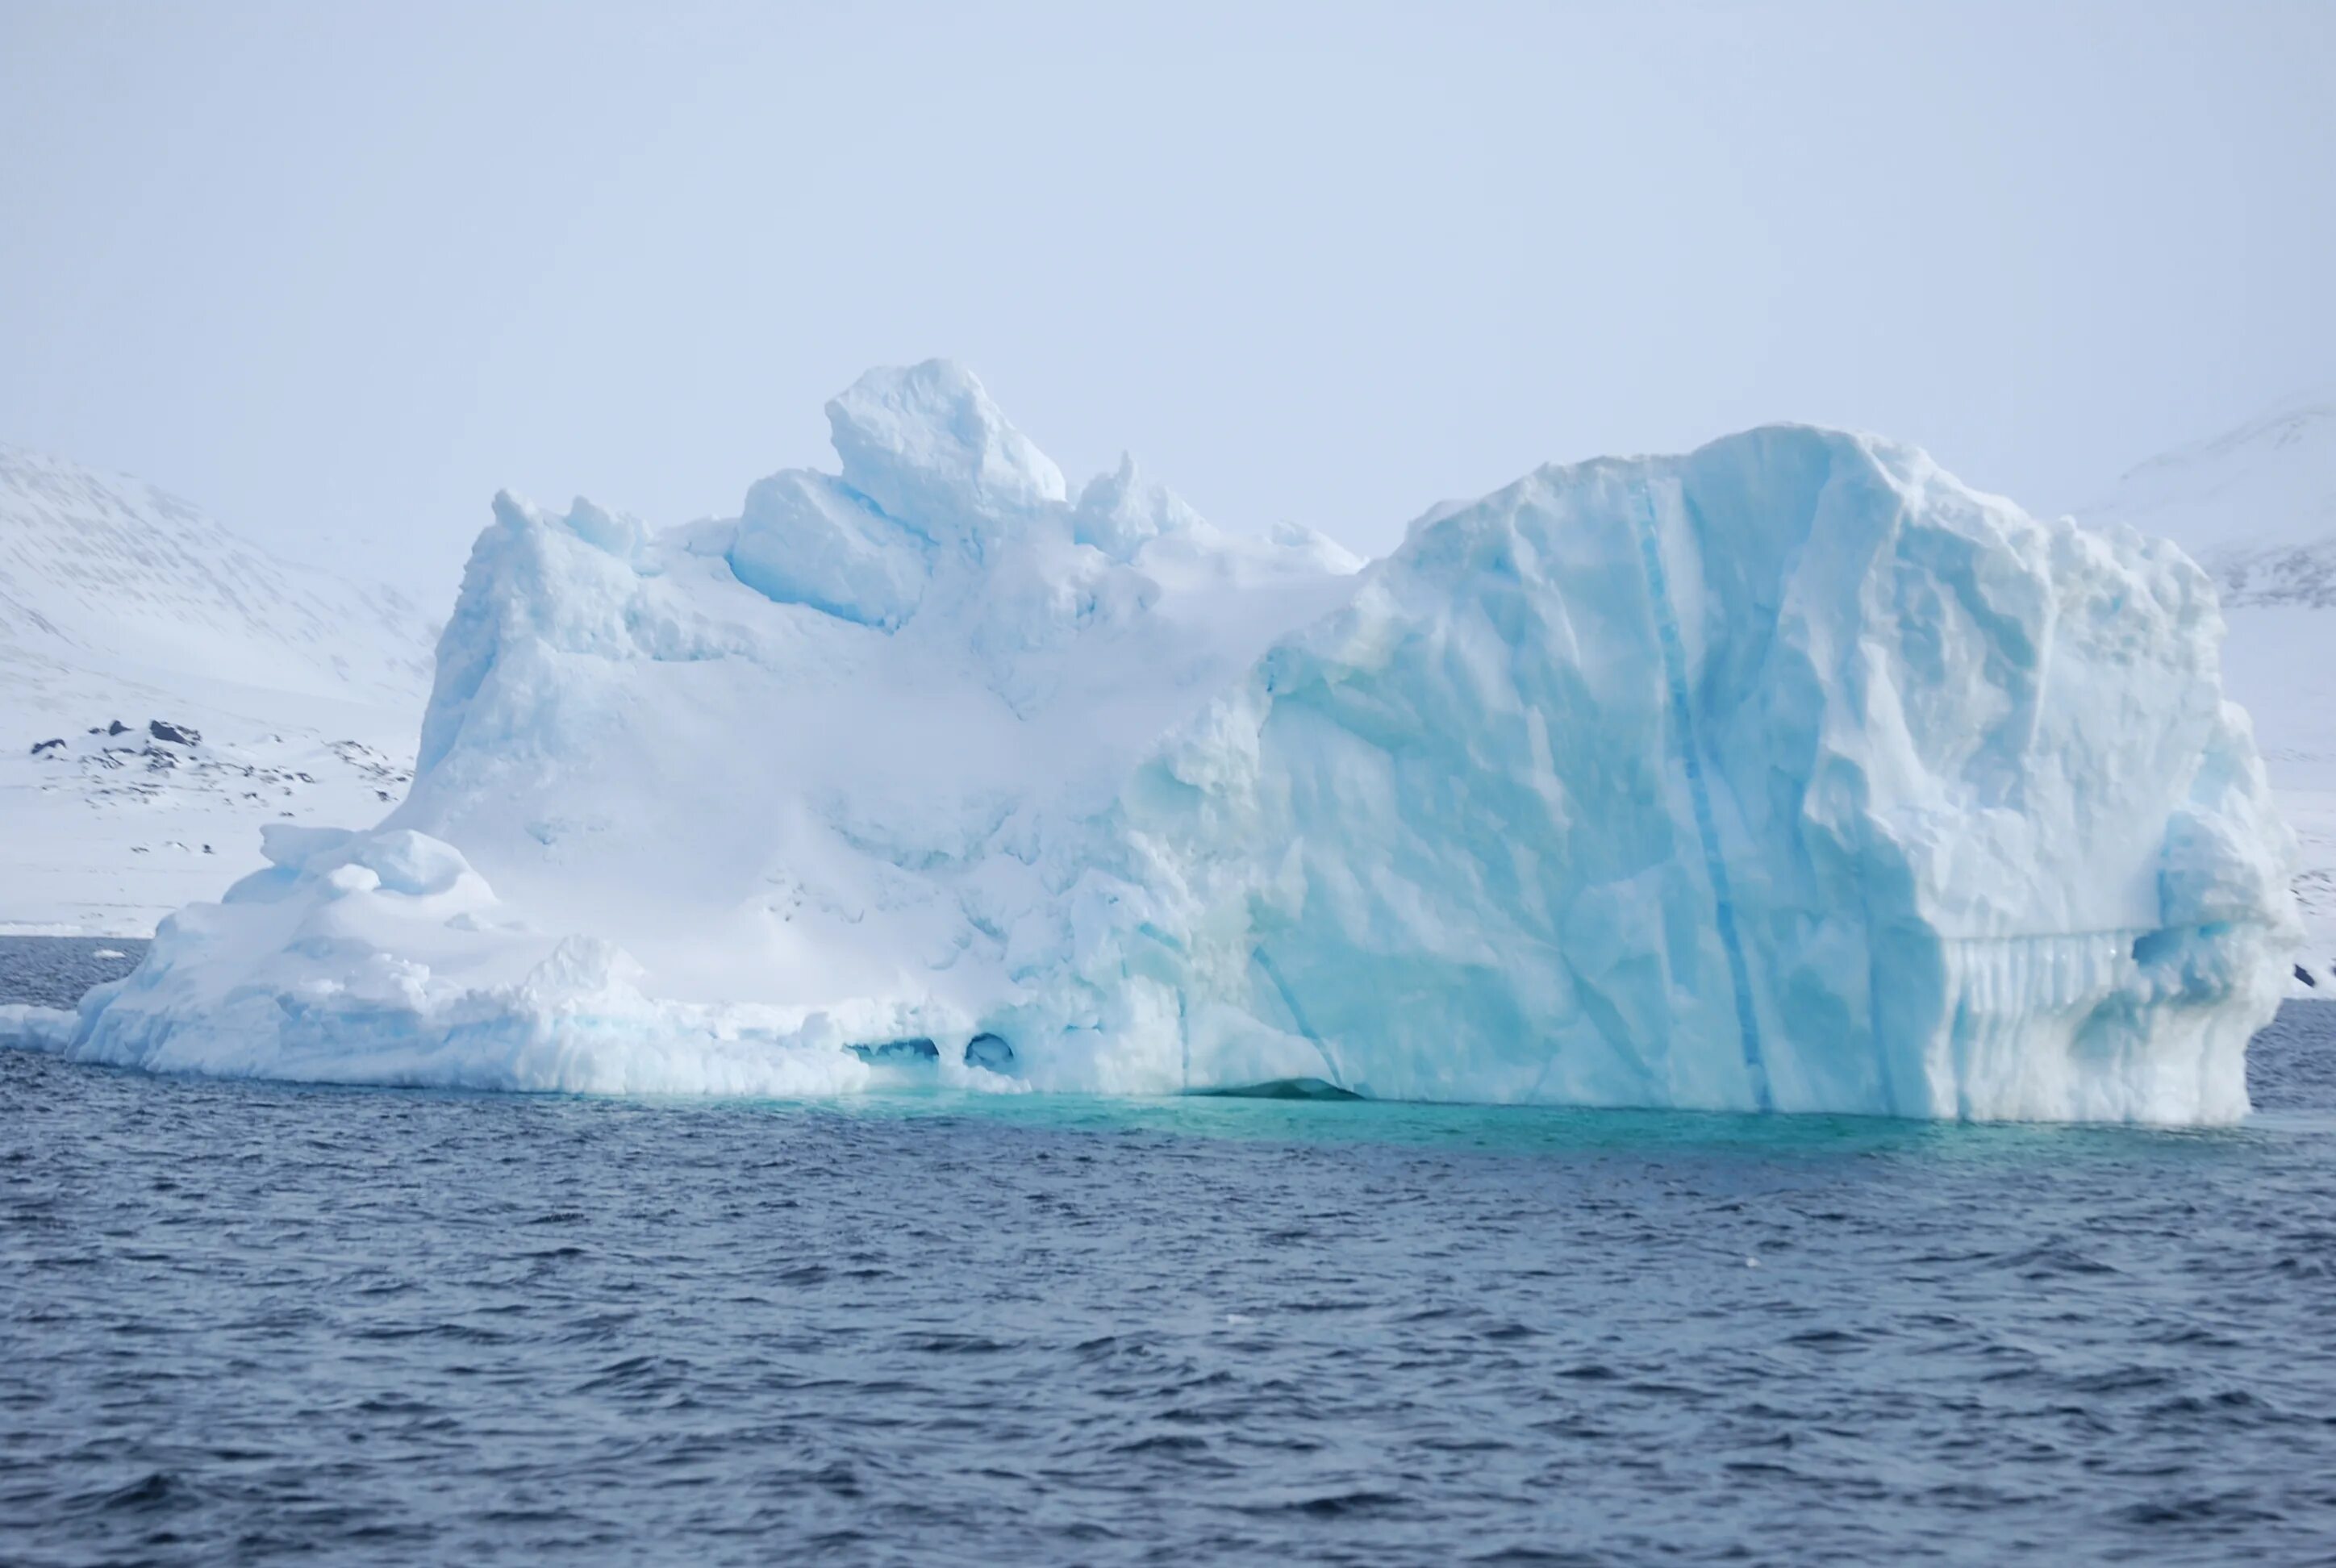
339	272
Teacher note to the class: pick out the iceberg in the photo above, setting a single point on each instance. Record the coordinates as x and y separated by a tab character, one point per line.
1789	774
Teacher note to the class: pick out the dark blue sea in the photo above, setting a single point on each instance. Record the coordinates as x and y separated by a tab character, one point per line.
244	1322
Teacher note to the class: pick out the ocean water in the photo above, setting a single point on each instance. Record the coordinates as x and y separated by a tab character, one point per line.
242	1322
54	971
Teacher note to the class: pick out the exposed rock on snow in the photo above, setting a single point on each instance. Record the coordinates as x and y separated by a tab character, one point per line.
113	594
1789	774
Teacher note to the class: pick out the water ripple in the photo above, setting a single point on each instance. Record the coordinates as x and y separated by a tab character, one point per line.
247	1321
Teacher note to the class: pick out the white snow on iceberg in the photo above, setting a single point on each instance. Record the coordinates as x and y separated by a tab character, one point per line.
1788	774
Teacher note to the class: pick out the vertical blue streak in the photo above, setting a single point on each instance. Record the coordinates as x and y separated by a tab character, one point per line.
1337	1079
1659	591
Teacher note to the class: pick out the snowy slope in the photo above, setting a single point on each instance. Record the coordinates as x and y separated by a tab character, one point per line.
111	576
2256	506
1790	774
120	605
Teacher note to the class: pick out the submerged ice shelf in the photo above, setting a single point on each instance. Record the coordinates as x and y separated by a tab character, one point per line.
1789	774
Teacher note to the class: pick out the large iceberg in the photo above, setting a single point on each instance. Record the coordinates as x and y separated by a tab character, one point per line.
1788	774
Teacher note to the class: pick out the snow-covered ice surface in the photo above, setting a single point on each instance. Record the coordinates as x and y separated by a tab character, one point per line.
120	606
1789	774
2256	506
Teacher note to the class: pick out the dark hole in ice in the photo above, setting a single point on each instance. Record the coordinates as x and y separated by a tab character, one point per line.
990	1052
1281	1089
899	1052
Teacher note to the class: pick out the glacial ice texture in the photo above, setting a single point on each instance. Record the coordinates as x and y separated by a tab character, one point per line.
1789	774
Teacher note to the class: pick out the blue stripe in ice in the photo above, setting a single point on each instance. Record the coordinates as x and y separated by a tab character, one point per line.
1298	1016
1739	974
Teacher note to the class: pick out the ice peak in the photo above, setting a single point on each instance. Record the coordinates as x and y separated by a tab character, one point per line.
1117	512
930	448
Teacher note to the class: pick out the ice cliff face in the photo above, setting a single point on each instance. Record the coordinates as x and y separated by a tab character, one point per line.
2256	507
1788	774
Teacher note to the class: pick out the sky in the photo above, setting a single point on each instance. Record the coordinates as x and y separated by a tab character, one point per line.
337	273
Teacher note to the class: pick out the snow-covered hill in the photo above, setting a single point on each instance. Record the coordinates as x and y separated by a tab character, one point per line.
127	618
2256	507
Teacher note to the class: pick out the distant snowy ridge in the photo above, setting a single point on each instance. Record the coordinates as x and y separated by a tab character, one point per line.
1788	774
121	605
2256	505
107	574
